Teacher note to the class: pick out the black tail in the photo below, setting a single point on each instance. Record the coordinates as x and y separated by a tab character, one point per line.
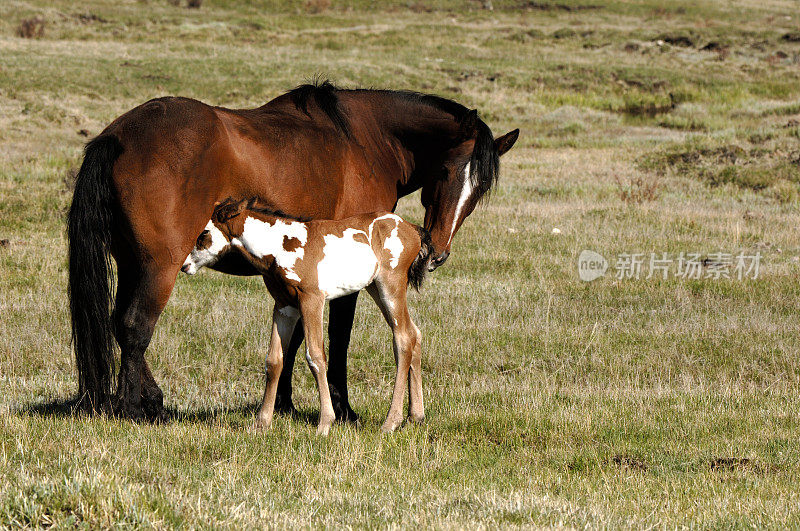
419	267
91	285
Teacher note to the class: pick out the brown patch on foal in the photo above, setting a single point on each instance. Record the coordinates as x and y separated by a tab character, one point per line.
291	244
360	237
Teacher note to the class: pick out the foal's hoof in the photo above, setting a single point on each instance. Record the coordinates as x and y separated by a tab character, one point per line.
391	425
261	425
416	419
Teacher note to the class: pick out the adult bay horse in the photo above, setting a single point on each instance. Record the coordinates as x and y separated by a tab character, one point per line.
149	182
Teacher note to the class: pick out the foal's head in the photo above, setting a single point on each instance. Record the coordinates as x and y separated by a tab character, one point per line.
215	240
464	174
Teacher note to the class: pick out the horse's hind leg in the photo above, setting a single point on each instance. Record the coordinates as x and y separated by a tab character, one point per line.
141	296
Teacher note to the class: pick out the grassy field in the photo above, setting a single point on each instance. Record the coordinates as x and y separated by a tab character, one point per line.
646	127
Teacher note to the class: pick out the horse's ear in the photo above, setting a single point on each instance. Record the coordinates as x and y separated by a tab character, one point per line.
468	125
506	142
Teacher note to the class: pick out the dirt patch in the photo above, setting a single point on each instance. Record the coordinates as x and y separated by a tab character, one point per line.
89	18
31	28
683	40
557	6
646	105
730	463
629	462
792	36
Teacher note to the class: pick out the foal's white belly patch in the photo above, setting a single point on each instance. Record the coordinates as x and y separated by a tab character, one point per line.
347	265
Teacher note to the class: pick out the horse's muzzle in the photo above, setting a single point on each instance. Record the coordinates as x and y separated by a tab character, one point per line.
439	260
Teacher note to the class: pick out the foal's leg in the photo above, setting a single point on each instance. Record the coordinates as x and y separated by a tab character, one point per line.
392	302
311	308
283	323
416	407
341	323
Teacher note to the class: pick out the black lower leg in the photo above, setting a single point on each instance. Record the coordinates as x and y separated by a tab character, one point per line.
138	396
342	311
283	398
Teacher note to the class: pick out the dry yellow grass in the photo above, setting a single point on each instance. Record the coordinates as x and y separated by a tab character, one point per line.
551	402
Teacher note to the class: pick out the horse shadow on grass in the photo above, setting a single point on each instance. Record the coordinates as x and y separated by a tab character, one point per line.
216	415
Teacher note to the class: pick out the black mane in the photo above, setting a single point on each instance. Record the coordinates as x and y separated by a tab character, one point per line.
484	162
324	95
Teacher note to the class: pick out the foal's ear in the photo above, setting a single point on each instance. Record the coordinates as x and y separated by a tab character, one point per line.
229	209
468	125
506	142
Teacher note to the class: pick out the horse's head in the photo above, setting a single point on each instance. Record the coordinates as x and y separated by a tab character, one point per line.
215	240
460	178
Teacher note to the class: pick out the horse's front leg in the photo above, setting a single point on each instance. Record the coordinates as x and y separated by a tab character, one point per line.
342	311
284	320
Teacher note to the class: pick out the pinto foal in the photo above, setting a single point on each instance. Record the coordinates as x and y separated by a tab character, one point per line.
305	263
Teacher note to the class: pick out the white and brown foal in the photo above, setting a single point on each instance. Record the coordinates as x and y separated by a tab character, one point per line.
305	263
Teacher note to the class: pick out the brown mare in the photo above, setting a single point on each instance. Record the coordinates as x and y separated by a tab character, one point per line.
149	182
305	263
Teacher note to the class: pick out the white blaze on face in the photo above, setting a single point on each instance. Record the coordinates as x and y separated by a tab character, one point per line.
466	193
262	238
199	258
347	265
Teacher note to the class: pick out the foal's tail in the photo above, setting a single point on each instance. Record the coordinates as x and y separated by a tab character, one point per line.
91	284
419	267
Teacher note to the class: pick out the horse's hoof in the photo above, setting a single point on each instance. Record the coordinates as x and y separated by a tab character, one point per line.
344	413
132	412
285	407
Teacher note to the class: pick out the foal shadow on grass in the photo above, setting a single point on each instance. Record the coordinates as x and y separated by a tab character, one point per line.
70	407
235	415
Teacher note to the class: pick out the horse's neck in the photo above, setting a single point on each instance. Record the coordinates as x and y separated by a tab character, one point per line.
422	131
